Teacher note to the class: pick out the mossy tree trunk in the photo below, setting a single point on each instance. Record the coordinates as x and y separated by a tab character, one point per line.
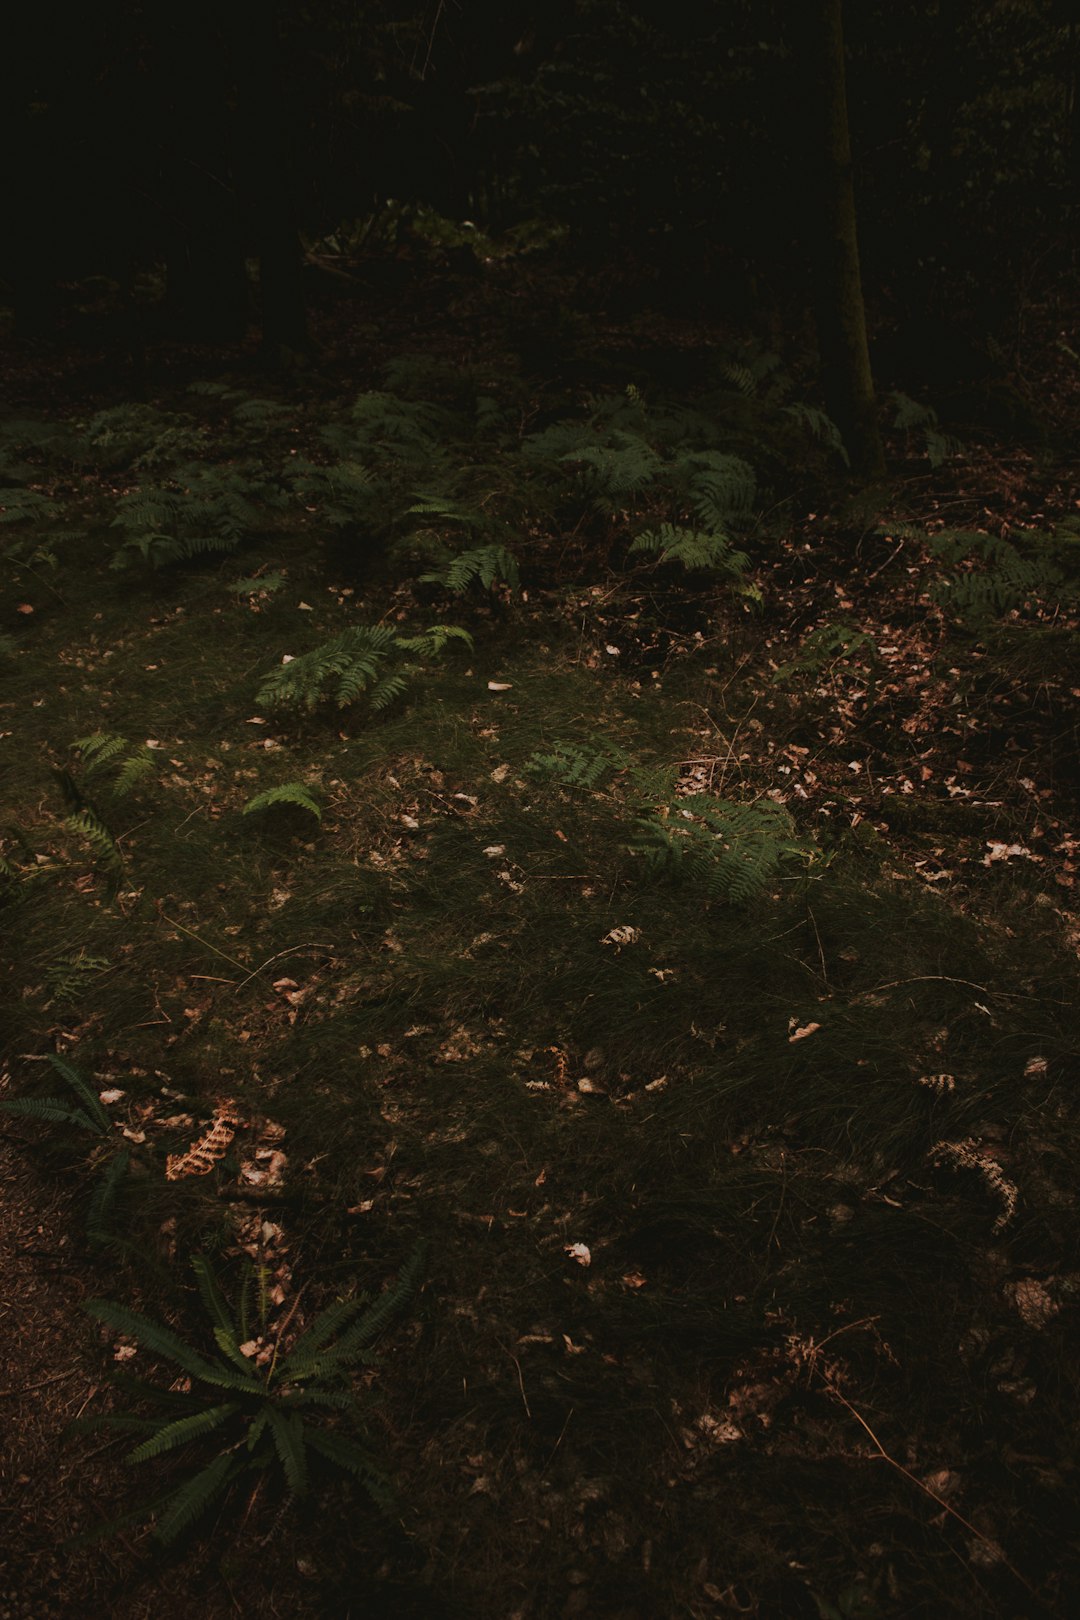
839	310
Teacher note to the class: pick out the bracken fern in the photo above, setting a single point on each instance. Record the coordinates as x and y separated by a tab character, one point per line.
370	661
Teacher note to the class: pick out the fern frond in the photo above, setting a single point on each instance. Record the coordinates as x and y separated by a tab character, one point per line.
572	766
363	1333
354	662
615	472
152	1336
429	643
105	748
993	575
827	645
334	1400
439	509
257	1427
182	1430
730	850
355	654
137	766
82	1089
701	550
211	1295
26	506
51	1109
89	826
326	1326
908	413
354	681
343	492
722	487
387	691
104	1197
352	1459
257	585
288	1434
740	377
483	565
820	427
191	1501
99	748
286	793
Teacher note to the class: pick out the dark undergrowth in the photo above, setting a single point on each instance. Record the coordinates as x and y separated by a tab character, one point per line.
731	1087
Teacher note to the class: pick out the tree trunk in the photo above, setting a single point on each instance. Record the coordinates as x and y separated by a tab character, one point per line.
840	314
267	179
206	283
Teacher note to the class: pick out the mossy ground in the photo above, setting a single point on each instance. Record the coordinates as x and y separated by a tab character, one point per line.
815	1364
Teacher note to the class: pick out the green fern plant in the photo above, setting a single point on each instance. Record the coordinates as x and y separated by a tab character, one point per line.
921	422
759	374
599	766
989	575
820	427
342	492
245	1413
258	585
81	1109
695	550
294	793
826	646
139	437
30	506
85	821
486	566
721	488
572	766
106	750
202	509
730	852
370	661
70	974
615	473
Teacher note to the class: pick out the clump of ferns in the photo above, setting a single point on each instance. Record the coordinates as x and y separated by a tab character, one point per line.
371	662
488	568
729	852
85	820
720	491
988	576
829	648
199	509
108	755
107	760
80	1116
255	1405
922	429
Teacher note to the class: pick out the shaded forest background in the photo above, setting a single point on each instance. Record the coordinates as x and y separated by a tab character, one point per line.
673	153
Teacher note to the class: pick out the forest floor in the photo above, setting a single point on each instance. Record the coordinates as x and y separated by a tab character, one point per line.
685	957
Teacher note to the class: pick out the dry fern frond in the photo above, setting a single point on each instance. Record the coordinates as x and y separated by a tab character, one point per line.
212	1146
971	1155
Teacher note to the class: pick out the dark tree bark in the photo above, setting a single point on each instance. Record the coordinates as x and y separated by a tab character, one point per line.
839	310
206	283
266	179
